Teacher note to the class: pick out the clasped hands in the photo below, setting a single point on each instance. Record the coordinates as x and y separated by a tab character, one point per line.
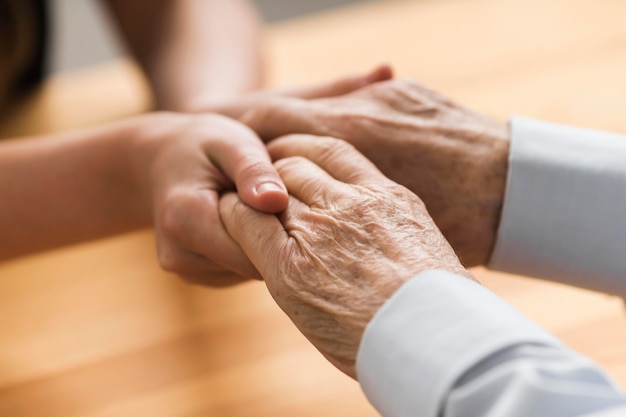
348	236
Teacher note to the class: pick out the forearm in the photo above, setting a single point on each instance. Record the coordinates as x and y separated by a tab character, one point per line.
533	380
193	51
443	345
563	210
67	188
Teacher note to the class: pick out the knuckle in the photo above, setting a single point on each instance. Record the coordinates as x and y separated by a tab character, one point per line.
333	144
287	165
261	112
411	97
329	149
407	83
295	138
385	86
421	92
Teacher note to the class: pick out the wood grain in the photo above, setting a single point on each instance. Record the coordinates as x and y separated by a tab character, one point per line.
99	330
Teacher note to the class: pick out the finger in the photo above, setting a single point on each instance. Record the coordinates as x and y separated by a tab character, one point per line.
192	239
337	157
308	182
283	115
194	268
215	279
261	236
291	113
244	159
343	85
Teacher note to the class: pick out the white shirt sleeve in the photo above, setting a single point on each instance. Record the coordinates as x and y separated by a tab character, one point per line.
446	346
564	212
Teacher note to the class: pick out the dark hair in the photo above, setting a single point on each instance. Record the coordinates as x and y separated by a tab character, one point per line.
24	27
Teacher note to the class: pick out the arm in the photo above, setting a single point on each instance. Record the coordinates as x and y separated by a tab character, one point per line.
488	361
360	268
563	213
201	55
165	169
193	52
68	188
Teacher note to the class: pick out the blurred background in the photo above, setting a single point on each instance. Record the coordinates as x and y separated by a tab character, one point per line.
98	330
98	42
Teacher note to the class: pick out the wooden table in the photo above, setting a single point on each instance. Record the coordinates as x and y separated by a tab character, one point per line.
99	330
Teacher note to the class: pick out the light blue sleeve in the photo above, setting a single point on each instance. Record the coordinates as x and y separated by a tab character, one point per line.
446	346
564	212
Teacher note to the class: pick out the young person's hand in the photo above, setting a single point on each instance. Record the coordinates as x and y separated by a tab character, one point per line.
188	161
161	169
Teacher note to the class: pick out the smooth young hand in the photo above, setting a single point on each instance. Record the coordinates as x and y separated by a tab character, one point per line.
191	160
161	169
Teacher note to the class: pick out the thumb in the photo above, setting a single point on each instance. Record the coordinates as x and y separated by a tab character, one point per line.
245	160
261	236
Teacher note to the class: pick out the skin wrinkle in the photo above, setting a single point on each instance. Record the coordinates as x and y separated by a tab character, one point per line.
407	101
348	253
323	301
447	137
345	252
486	206
305	259
314	189
366	235
341	259
328	151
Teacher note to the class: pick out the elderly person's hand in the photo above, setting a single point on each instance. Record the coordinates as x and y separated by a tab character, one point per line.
238	106
348	240
453	158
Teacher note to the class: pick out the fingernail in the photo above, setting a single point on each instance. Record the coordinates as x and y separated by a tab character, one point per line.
267	187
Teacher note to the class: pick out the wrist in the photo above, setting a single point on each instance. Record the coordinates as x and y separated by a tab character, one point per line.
147	135
471	226
498	165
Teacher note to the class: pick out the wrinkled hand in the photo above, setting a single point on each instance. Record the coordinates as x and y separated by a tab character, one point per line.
238	106
186	161
453	158
348	240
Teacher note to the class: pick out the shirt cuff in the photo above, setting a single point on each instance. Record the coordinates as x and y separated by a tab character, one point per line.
563	212
428	334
